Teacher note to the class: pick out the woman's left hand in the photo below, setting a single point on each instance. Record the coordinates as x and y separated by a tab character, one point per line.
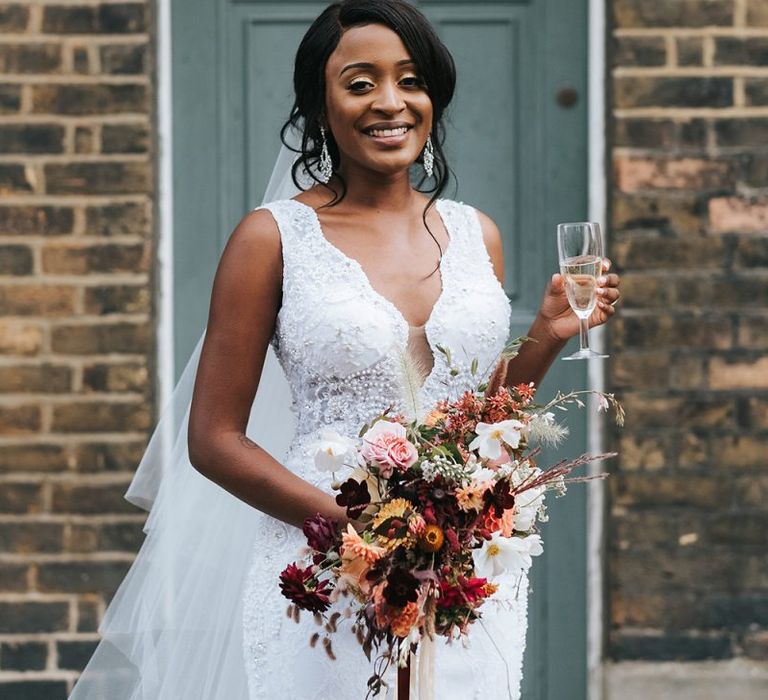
555	311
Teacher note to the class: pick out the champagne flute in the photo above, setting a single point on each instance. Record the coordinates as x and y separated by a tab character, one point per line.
580	248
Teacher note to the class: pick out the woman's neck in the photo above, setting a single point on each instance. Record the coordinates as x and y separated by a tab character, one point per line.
371	190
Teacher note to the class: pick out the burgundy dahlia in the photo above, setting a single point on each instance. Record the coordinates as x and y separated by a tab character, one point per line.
320	532
402	588
303	589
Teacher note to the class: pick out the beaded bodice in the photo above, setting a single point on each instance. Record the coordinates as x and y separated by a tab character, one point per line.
341	343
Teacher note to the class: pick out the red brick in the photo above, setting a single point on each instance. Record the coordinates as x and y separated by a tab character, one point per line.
122	18
122	299
100	417
757	13
19	420
13	18
635	91
680	13
669	490
102	338
753	332
31	537
741	452
91	500
89	99
118	220
30	58
633	174
33	457
129	377
647	369
37	300
74	259
82	576
669	212
20	338
35	378
10	99
108	456
20	497
728	214
97	178
738	374
36	220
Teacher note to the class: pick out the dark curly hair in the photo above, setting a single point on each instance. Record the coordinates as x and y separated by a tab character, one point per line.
434	62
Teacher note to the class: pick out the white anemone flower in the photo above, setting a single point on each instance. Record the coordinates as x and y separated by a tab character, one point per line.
333	451
500	554
491	435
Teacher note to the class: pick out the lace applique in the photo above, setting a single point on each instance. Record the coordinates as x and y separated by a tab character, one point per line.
338	341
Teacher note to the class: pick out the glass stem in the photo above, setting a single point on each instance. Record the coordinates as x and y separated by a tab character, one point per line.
583	333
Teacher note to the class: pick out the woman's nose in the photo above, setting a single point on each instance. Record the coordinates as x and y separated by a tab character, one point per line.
388	99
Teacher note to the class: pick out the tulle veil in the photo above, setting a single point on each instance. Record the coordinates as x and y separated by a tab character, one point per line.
173	630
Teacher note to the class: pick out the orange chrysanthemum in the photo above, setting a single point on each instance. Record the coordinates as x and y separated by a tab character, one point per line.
470	497
355	545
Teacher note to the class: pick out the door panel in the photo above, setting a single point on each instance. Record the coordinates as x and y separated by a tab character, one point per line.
517	155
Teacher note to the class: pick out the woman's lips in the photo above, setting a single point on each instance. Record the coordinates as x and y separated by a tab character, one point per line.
389	137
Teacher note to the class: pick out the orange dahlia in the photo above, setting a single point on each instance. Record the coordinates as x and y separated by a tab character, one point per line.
405	620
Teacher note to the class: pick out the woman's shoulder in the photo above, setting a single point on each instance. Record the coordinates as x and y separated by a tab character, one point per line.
488	226
483	228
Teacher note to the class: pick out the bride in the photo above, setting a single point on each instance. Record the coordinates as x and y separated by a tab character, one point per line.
336	281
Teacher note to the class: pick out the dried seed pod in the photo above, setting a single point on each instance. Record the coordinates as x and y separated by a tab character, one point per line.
318	619
296	614
329	648
313	640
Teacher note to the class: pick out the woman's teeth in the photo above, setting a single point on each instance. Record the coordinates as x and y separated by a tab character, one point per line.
388	132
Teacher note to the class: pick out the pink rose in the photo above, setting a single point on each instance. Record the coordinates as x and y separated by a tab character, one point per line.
401	453
385	445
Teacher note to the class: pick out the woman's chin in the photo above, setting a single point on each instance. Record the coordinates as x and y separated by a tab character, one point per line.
389	166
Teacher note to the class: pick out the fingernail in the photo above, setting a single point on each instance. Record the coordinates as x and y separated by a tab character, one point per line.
602	280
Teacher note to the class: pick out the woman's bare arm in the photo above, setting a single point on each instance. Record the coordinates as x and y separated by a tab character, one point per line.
245	300
555	321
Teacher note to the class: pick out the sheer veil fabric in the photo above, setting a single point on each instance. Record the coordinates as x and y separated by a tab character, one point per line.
173	629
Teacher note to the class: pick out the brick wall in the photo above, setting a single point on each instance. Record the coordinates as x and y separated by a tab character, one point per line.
688	571
76	251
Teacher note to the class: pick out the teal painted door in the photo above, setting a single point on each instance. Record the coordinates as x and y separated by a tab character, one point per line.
518	155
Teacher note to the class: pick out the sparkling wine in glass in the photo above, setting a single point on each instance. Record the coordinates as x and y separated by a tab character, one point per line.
580	247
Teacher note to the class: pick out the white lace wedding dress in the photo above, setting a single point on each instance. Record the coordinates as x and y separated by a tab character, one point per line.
334	339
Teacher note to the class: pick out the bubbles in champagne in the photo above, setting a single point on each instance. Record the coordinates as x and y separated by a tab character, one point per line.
581	275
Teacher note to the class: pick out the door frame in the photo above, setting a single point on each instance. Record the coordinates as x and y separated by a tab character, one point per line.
165	365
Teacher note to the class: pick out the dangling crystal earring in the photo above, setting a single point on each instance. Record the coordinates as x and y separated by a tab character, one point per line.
326	164
429	157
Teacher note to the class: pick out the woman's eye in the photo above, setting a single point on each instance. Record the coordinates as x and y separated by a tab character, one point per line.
358	85
412	81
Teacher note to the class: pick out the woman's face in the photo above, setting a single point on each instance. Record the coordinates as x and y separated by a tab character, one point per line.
376	104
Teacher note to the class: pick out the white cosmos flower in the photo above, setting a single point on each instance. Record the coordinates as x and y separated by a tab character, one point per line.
491	435
500	554
527	504
484	477
333	451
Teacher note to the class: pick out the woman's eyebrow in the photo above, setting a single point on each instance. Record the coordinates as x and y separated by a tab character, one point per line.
369	66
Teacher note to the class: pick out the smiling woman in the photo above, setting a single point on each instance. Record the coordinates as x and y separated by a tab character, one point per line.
366	265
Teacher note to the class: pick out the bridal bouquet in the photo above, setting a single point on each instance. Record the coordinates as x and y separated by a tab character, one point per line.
444	504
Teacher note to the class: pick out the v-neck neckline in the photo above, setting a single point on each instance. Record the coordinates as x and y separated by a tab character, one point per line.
402	321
